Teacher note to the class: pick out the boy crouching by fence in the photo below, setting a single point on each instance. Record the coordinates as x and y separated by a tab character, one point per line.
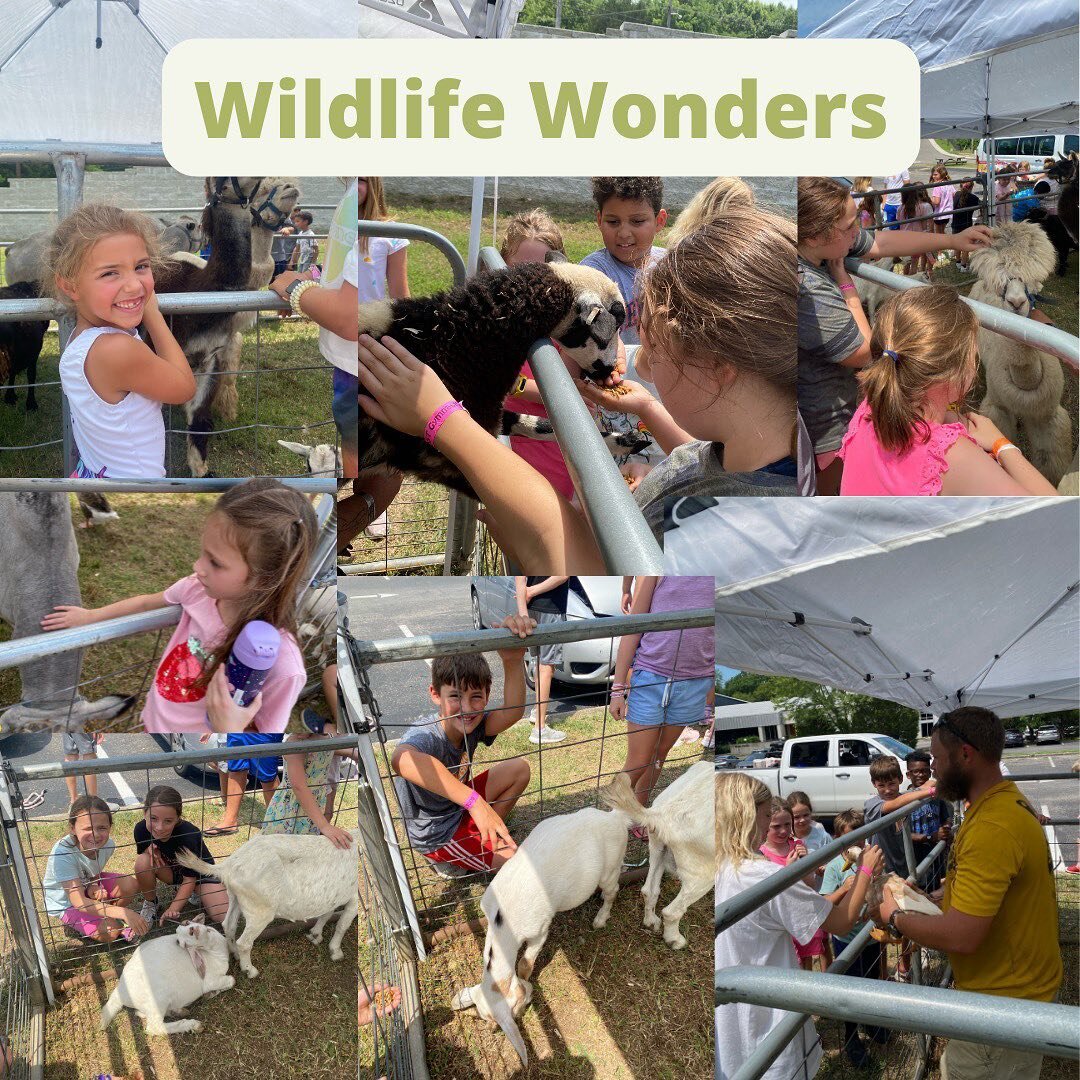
453	818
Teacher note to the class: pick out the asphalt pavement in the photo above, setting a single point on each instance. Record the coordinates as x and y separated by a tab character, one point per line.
381	608
1052	798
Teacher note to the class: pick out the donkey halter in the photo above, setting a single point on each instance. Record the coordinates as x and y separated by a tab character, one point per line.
245	199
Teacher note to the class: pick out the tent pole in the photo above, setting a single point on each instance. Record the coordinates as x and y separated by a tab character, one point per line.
476	224
70	172
990	156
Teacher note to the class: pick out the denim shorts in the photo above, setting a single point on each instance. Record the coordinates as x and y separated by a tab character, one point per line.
656	700
347	409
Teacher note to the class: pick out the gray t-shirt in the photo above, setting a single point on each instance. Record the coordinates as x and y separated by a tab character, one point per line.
626	277
890	839
697	468
431	819
828	335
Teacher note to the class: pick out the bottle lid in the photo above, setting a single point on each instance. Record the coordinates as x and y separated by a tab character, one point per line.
257	645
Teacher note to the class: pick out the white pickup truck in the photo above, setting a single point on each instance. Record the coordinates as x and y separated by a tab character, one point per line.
834	770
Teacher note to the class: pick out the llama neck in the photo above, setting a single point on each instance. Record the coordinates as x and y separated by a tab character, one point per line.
229	265
262	263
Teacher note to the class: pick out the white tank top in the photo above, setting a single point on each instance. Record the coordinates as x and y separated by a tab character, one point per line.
125	440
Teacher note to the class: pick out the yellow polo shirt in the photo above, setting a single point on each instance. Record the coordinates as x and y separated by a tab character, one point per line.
999	866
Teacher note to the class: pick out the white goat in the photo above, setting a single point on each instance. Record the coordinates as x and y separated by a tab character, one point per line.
281	876
322	459
561	863
681	841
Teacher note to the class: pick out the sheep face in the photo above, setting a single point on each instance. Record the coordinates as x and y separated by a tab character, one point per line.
1016	264
589	335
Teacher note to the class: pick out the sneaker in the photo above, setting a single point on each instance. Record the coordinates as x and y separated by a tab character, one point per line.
378	529
149	911
450	870
547	735
689	735
314	723
1072	869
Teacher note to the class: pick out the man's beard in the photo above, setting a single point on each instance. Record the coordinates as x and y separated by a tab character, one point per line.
953	783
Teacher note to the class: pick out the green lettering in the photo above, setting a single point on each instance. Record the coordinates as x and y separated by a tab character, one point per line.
746	102
552	120
673	107
217	122
482	116
863	108
340	105
786	109
312	103
825	106
620	116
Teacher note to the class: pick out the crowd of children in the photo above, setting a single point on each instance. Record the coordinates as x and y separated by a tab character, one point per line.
713	380
886	407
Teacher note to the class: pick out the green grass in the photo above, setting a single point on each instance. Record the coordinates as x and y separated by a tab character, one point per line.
283	400
299	1013
614	1002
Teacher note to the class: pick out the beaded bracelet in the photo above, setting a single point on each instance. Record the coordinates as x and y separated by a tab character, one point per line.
438	418
294	296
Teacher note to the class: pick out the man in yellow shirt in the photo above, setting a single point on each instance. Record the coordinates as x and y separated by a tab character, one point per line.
1000	922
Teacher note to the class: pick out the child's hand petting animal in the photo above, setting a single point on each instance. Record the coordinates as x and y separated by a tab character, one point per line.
338	837
66	616
403	392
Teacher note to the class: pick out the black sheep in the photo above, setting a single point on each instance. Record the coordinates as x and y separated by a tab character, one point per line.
20	345
477	335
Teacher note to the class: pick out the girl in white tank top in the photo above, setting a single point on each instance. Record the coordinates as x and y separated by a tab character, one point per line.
101	262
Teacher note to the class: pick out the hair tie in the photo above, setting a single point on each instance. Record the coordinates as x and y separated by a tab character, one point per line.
891	355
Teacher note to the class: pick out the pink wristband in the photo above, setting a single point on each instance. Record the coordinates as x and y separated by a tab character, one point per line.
471	801
847	287
867	871
438	418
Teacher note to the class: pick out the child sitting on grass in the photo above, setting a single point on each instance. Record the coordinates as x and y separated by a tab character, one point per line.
89	900
453	818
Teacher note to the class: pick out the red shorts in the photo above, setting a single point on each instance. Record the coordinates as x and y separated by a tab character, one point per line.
466	847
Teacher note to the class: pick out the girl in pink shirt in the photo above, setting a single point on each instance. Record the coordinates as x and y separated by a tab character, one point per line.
255	549
942	198
911	434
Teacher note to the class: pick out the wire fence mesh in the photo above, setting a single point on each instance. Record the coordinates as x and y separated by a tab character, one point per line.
564	777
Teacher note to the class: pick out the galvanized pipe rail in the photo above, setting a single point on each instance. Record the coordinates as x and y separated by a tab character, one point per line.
193	303
1049	339
451	643
626	543
45	152
308	485
1040	1027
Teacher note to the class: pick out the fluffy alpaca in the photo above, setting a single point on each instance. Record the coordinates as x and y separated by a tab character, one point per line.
476	337
1023	385
20	345
239	218
166	974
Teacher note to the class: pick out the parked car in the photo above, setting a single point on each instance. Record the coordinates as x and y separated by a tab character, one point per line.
727	761
776	746
1013	737
749	762
589	663
834	770
1048	733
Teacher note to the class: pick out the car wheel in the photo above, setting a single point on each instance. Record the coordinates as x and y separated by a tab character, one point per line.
477	621
530	669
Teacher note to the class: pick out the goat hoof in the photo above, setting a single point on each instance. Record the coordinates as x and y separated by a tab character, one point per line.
251	972
677	943
336	954
652	923
315	939
597	923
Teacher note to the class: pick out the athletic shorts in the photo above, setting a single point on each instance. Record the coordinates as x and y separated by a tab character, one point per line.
85	922
466	847
347	409
264	769
78	742
549	654
656	700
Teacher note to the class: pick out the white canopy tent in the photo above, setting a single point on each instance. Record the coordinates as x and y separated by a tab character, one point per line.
968	601
446	18
88	72
985	73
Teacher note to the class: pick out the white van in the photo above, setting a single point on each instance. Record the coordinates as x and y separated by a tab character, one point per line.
1029	148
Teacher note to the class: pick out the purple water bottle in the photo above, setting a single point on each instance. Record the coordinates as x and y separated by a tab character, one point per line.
253	655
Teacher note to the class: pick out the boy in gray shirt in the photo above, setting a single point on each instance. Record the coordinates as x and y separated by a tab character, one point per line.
451	815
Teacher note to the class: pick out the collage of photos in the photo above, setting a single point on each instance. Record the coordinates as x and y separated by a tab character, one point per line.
527	585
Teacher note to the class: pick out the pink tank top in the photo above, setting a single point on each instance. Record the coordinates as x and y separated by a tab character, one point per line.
545	457
870	469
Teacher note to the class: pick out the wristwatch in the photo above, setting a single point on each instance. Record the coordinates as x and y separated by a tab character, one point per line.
295	289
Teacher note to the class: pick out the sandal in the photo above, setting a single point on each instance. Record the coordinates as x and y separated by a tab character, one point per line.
221	830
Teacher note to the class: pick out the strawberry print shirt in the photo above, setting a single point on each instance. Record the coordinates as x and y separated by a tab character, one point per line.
175	704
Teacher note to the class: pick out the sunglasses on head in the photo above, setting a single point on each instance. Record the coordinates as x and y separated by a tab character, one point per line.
942	723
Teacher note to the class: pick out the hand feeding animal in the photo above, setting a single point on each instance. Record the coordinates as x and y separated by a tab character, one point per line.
558	866
282	876
166	974
681	841
475	336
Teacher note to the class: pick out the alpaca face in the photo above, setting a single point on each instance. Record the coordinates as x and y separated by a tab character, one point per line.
590	334
1016	264
273	200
